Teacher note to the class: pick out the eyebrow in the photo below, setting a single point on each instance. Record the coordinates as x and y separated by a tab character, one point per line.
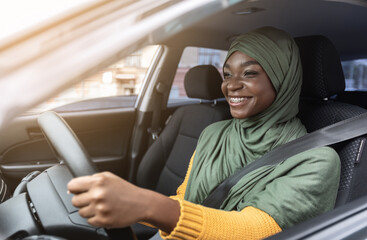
244	64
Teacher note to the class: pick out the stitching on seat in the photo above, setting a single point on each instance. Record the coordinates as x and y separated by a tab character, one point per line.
181	134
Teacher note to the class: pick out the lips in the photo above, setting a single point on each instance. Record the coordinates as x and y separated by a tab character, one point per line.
238	100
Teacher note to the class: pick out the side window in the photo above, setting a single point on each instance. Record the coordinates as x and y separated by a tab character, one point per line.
355	73
191	57
115	86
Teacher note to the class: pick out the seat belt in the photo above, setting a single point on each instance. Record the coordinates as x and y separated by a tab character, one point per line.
155	127
335	133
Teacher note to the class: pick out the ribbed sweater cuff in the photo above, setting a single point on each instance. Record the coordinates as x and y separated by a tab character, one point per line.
189	225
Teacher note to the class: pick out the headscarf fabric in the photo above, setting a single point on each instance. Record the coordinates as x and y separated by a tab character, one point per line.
227	146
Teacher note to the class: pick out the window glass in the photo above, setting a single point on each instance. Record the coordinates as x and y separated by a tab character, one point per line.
191	57
123	78
355	73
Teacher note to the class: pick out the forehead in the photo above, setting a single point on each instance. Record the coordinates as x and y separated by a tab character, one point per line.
241	59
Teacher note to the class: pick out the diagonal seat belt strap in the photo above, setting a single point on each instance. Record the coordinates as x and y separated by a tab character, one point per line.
338	132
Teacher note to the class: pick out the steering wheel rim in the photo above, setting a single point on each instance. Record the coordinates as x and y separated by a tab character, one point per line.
69	149
66	144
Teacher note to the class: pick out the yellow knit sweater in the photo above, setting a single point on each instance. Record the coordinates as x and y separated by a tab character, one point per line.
198	222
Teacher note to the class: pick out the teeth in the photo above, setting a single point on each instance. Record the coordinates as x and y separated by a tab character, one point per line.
237	100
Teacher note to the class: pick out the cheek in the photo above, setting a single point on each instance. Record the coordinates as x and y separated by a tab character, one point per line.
265	93
267	87
269	96
223	88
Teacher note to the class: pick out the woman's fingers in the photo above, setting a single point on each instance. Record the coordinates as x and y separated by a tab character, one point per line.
87	190
81	200
87	212
107	200
80	184
98	221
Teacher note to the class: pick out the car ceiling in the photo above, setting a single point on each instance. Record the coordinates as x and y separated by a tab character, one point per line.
343	23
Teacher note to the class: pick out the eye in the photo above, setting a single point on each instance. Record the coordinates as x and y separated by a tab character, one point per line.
250	73
226	75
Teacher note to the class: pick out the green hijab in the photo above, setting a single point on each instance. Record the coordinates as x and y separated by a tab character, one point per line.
227	146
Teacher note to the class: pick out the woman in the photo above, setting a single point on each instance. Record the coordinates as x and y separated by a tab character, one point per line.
262	81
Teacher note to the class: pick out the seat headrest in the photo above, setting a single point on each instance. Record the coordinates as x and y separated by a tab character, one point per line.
204	82
322	70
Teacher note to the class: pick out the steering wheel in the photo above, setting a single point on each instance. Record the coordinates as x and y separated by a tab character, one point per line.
66	145
69	149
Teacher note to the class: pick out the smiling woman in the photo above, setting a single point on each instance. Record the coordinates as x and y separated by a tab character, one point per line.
263	202
45	59
246	86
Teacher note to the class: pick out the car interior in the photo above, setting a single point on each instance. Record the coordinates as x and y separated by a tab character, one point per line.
169	155
322	80
119	140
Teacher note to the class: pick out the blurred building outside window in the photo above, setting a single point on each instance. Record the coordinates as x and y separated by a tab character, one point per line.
123	78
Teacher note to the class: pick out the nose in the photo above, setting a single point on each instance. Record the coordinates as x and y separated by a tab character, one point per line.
234	85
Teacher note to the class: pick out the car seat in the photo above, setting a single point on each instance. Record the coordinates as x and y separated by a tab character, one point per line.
164	165
323	79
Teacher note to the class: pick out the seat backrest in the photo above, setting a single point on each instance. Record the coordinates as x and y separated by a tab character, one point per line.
164	165
322	79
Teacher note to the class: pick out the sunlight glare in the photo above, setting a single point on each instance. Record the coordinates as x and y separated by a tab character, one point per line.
17	15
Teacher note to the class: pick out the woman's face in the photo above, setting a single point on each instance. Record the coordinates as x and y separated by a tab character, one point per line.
246	86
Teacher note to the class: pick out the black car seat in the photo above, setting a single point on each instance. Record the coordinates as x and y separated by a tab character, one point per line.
323	79
164	165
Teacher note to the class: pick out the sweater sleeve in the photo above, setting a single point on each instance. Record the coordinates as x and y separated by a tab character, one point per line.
180	193
199	222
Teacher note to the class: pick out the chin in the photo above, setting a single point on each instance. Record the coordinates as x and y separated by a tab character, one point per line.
239	115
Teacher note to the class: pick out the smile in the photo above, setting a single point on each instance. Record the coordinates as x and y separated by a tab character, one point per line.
237	99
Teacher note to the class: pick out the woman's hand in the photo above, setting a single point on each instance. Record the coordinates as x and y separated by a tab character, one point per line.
107	200
111	202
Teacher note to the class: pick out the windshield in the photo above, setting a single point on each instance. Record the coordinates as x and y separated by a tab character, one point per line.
18	15
100	32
